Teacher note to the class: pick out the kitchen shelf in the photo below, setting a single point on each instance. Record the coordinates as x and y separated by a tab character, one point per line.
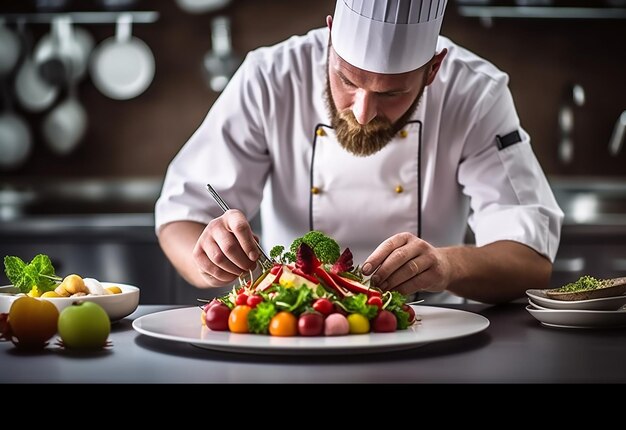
541	12
138	17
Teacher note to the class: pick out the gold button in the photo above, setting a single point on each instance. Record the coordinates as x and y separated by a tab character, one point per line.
404	133
320	132
315	190
399	189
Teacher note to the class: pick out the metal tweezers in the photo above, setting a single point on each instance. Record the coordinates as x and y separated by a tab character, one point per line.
265	261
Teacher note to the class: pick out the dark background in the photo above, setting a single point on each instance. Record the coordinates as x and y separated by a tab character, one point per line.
76	208
138	137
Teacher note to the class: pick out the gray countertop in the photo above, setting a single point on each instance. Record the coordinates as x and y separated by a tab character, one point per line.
514	348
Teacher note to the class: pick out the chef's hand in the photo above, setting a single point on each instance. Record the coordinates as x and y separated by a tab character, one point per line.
408	264
226	249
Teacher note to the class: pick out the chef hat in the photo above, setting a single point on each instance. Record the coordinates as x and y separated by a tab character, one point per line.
387	36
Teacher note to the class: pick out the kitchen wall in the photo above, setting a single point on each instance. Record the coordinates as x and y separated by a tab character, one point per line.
138	137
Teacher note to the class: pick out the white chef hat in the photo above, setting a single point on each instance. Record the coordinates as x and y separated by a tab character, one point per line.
387	36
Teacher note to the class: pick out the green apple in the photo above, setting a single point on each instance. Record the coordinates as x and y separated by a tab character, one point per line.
84	325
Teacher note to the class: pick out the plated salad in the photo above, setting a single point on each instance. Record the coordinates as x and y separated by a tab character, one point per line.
311	290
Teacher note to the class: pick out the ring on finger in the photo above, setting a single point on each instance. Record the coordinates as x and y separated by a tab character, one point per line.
414	267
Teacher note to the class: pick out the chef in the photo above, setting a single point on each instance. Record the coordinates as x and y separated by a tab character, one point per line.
382	134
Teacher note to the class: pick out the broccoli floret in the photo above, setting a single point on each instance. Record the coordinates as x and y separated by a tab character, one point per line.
276	252
326	249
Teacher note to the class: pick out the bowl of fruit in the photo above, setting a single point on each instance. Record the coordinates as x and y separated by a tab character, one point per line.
38	279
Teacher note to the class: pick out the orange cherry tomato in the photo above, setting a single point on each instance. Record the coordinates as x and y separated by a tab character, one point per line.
238	319
284	324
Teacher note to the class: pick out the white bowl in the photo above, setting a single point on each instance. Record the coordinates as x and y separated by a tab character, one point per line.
117	306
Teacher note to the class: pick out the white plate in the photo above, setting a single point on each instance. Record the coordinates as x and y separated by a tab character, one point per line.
117	306
603	303
183	325
565	318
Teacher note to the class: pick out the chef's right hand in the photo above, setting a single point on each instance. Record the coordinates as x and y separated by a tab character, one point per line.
226	249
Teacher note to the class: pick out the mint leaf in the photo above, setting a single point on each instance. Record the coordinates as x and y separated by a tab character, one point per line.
15	269
24	277
42	270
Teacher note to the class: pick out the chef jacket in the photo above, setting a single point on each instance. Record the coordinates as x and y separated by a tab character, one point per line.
463	159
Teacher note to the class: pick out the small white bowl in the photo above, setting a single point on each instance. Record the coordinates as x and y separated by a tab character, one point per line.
117	306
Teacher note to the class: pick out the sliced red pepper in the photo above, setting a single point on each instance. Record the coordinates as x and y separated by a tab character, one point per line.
276	268
304	275
330	283
354	286
270	278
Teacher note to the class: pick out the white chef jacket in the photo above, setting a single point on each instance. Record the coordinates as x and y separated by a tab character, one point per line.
266	144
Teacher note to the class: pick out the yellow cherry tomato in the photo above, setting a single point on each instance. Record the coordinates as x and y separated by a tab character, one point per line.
238	319
284	324
32	322
358	324
114	290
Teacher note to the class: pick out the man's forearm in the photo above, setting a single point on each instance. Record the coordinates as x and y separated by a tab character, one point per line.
498	272
177	239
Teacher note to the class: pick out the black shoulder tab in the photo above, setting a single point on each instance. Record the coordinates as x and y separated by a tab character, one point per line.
509	139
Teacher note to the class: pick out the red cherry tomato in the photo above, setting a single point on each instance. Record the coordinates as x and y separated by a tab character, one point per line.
411	311
323	306
375	301
384	322
254	300
241	299
311	324
216	317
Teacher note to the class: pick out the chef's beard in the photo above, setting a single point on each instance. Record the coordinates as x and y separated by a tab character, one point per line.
368	139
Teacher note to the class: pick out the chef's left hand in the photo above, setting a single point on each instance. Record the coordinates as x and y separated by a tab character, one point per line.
408	264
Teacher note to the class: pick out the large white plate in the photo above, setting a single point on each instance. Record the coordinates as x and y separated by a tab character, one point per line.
183	325
565	318
603	303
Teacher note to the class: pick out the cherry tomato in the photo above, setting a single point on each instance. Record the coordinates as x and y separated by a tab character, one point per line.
217	317
238	319
254	300
242	299
384	322
411	311
336	325
359	324
284	324
205	309
375	301
323	306
310	324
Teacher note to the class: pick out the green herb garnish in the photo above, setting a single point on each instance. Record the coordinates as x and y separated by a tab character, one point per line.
585	283
39	272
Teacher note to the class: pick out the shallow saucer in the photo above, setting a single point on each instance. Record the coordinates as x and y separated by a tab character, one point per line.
612	303
615	287
565	318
